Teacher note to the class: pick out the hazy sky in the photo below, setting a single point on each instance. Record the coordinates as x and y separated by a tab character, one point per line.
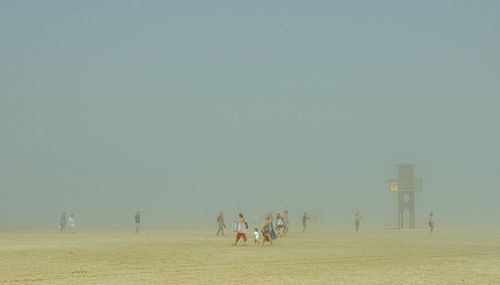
182	108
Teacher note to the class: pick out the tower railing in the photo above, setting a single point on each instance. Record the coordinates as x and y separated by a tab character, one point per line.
415	185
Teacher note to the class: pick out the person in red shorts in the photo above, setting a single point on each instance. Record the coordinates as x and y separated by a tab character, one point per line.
242	234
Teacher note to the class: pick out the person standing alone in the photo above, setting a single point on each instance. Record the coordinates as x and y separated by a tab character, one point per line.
137	222
304	222
357	218
431	224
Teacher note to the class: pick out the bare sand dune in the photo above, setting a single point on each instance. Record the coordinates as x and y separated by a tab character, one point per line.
184	256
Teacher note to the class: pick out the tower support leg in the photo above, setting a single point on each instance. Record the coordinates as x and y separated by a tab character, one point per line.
400	210
412	210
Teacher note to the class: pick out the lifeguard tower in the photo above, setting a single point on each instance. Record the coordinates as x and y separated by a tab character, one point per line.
405	187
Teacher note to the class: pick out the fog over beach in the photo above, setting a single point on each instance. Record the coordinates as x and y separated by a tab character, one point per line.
161	142
181	110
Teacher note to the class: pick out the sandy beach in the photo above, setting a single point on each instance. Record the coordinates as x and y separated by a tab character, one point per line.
181	256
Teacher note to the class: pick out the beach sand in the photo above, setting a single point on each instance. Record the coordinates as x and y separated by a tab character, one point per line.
182	256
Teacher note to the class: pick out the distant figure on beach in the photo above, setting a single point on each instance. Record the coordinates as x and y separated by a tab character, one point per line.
240	228
62	222
72	223
279	222
266	231
431	224
357	218
273	225
304	222
137	222
286	223
257	236
220	221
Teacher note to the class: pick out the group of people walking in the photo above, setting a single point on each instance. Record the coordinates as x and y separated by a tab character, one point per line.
67	224
273	227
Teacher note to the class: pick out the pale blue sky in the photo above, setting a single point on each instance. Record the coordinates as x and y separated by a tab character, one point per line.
182	108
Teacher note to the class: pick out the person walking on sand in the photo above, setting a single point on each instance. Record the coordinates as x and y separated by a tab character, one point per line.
256	234
431	224
266	231
286	223
357	218
241	227
271	218
62	222
137	222
279	223
72	223
304	222
220	221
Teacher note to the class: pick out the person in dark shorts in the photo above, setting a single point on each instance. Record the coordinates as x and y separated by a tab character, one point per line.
304	222
431	224
62	222
137	222
357	218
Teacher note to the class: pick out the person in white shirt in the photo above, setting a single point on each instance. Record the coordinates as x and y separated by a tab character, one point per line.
257	236
279	223
72	224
